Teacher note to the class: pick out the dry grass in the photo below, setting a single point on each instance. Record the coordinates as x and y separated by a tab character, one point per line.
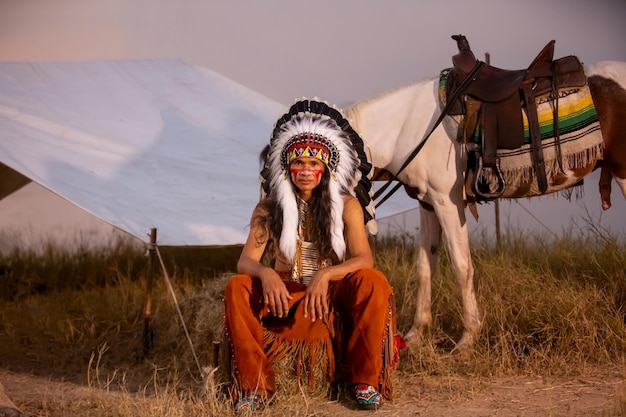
550	309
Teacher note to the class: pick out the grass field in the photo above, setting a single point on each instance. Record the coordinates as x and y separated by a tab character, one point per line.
551	309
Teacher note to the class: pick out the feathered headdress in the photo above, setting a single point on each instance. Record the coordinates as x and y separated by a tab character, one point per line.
313	128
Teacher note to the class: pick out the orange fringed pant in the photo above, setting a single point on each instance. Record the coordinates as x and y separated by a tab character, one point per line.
361	325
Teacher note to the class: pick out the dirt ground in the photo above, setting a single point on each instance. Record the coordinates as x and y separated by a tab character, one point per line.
601	393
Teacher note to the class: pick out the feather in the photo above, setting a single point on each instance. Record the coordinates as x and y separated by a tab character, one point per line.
316	125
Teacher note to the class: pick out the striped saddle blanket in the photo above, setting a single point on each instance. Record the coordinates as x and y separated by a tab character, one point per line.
580	137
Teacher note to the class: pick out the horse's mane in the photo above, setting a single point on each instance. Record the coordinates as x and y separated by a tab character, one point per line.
353	110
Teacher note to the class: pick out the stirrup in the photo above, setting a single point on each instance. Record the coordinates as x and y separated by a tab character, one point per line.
367	397
501	184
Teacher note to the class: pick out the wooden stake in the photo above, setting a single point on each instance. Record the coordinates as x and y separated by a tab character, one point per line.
147	332
216	353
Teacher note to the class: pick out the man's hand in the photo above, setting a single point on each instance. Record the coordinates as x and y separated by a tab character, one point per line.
275	294
316	297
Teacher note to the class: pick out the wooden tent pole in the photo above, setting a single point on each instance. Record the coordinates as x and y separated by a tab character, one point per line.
147	333
497	200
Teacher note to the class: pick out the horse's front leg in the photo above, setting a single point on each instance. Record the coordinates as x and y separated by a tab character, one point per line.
452	219
429	241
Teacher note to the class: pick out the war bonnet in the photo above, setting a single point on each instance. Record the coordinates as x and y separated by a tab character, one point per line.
313	128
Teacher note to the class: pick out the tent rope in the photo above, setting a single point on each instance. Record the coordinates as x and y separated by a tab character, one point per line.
180	314
537	219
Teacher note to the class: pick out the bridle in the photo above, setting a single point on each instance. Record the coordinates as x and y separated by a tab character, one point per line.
454	94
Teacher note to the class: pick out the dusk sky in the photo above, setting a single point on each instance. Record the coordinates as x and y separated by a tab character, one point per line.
341	51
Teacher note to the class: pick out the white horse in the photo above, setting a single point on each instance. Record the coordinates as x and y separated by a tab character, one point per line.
394	123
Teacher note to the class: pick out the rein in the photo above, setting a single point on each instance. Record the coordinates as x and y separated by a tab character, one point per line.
453	96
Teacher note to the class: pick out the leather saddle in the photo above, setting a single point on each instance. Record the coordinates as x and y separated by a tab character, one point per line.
494	100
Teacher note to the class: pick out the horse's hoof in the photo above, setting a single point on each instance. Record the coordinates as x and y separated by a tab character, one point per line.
11	412
414	339
464	346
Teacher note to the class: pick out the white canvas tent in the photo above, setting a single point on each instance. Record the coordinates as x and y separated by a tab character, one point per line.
139	144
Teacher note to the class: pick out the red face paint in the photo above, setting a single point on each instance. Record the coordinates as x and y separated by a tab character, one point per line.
300	174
